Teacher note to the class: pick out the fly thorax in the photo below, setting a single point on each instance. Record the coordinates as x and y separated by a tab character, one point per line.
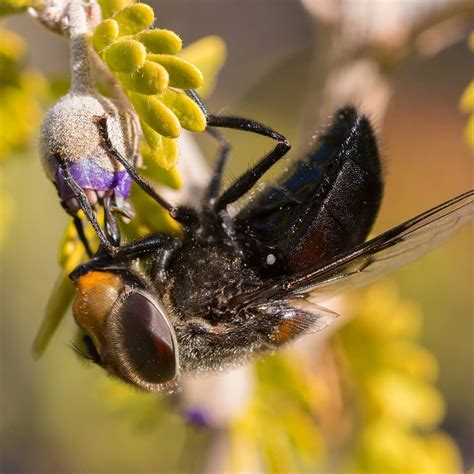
206	280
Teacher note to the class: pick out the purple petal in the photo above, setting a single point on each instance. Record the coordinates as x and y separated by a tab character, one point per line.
197	417
122	183
89	175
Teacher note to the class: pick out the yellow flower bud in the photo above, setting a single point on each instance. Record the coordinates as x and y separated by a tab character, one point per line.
125	55
166	157
156	114
170	178
154	140
188	112
105	33
160	41
109	7
150	79
469	132
183	74
208	55
134	18
467	98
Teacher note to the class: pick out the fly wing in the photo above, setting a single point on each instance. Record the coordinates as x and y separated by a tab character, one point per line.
288	319
321	207
369	261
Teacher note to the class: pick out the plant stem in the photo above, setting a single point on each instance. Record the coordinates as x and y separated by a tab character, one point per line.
81	71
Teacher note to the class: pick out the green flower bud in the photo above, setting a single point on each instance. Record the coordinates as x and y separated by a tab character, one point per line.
154	140
156	114
183	74
134	18
125	55
165	158
160	41
150	79
208	55
105	33
170	178
109	7
188	112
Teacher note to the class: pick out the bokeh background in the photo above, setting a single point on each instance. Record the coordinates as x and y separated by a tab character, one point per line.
57	415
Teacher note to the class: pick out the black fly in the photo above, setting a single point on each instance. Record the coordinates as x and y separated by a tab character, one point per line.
237	285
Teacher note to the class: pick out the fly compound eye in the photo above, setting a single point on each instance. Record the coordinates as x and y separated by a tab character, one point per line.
143	341
96	294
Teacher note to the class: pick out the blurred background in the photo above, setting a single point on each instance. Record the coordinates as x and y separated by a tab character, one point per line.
58	415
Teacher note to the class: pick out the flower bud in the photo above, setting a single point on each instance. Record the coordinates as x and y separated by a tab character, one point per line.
125	55
105	33
189	114
160	41
154	139
183	74
134	18
109	7
166	157
150	79
156	114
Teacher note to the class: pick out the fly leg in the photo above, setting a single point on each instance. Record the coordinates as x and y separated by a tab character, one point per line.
162	260
84	204
140	248
183	215
110	222
248	179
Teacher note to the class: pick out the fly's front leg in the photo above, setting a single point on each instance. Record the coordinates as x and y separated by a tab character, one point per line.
140	248
84	204
110	222
181	214
162	260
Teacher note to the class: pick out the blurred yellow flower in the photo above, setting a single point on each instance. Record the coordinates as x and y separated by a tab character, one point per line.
467	104
20	93
392	377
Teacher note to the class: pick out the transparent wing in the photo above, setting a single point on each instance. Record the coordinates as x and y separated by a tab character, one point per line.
390	250
288	319
311	317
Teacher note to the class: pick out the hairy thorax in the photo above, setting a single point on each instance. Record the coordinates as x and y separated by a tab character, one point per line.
205	279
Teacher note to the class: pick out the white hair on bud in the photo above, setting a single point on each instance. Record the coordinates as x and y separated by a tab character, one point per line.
70	127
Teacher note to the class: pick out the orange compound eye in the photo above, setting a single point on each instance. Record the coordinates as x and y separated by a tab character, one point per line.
96	292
